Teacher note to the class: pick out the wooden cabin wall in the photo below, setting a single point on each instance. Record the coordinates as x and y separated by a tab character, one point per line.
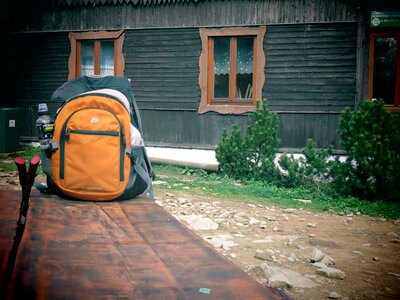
36	64
163	65
188	131
310	78
310	48
310	68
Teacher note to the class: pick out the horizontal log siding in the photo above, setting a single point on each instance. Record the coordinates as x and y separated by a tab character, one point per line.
297	128
207	13
310	70
36	64
185	129
163	65
310	67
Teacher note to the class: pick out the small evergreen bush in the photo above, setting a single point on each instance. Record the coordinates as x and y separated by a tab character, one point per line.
371	137
309	170
232	154
251	156
262	142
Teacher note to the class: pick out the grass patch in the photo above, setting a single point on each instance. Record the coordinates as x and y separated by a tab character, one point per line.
26	152
212	184
7	167
7	159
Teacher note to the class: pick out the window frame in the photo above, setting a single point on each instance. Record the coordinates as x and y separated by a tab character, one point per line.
74	58
232	105
396	105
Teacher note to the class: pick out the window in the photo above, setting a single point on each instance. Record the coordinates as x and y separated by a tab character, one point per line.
96	53
231	69
384	69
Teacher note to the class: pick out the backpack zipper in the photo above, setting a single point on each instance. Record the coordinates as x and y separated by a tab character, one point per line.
65	135
89	132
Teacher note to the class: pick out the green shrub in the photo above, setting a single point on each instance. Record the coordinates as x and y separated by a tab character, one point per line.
371	137
251	156
232	154
309	170
262	142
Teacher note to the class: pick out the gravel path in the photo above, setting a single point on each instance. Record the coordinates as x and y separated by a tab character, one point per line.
310	255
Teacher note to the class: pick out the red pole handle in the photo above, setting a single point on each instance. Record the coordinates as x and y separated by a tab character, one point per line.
21	166
33	165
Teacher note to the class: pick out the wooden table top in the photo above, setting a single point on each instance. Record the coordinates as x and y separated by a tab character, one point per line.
130	249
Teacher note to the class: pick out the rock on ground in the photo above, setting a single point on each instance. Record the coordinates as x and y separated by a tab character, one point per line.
278	276
198	222
331	273
223	241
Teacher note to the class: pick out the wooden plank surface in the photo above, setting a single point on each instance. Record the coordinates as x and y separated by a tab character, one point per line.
130	250
9	212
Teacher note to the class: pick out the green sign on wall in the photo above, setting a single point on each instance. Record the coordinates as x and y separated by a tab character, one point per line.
385	18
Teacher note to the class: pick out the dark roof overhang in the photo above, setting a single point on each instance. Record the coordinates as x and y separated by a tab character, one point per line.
117	2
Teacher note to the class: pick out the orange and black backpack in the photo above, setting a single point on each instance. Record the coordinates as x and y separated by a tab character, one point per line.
97	152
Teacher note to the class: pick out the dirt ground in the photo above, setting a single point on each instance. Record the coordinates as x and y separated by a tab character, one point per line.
259	237
275	245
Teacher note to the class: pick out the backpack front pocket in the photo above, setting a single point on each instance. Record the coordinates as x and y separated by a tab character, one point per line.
92	150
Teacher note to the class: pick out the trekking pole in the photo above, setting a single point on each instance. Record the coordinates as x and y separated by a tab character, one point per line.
21	167
30	179
26	181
